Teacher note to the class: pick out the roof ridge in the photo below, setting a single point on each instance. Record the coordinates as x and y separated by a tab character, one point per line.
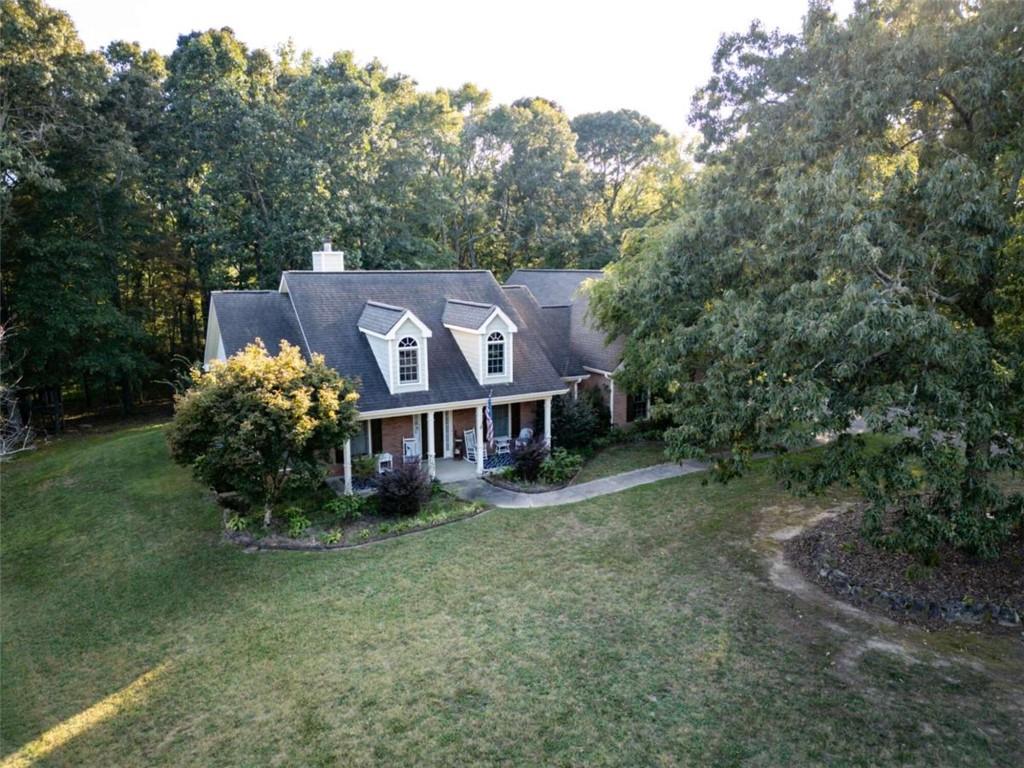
388	271
469	303
553	269
382	305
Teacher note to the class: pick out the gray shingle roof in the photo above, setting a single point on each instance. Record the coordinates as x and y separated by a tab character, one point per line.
466	314
552	326
244	316
553	287
590	344
379	318
329	306
560	288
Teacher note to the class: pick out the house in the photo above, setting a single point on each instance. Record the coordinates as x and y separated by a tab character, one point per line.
558	299
428	348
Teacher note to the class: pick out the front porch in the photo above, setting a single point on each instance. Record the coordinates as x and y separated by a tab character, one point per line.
438	439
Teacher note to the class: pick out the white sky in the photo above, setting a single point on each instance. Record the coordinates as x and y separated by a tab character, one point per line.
587	56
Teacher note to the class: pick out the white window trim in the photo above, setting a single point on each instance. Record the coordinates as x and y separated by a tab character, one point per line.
420	347
506	338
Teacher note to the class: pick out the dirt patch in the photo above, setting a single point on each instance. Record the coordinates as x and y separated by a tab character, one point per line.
959	589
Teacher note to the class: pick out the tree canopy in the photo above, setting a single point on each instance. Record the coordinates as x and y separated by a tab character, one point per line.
135	184
853	249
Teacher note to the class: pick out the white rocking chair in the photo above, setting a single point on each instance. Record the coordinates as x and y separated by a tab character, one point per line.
410	450
469	437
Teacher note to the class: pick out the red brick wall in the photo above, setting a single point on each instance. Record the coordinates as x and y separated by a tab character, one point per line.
528	415
392	431
621	403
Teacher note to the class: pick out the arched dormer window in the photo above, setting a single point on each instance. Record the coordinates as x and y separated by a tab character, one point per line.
408	361
495	354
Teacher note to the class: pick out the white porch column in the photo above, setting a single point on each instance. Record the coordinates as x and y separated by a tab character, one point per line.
431	459
480	440
547	421
348	467
576	390
611	400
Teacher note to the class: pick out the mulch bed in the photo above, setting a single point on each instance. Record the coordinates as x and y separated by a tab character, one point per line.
960	589
523	487
311	542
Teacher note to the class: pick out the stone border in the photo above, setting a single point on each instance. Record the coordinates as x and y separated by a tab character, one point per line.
252	544
507	485
950	611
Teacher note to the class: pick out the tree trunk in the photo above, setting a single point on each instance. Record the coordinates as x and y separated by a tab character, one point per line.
267	509
978	451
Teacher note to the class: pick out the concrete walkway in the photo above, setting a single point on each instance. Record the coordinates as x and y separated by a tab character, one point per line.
479	490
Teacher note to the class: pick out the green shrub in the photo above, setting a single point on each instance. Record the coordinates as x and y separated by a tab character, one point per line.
602	415
529	459
332	537
237	523
345	509
574	423
364	467
403	490
560	466
297	522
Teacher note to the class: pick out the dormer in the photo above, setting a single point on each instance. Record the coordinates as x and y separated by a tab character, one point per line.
399	342
484	333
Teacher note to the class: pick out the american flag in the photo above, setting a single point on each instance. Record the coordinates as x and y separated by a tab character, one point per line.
489	413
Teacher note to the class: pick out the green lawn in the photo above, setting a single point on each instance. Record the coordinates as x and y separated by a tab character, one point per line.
622	458
637	629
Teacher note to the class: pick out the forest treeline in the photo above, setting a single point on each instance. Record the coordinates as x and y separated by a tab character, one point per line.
134	184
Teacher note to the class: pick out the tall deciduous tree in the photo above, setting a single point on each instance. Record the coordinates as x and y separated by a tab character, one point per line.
853	249
70	209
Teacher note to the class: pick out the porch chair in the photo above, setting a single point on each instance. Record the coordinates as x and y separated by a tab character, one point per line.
525	436
384	462
470	437
410	450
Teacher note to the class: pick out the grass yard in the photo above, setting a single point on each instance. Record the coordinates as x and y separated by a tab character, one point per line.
636	629
622	458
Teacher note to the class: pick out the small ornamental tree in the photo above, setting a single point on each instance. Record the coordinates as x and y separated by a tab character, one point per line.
254	423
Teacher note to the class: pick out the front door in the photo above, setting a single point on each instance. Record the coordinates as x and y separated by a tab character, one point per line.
438	433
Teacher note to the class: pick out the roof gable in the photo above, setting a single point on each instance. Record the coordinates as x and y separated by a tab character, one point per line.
472	315
383	319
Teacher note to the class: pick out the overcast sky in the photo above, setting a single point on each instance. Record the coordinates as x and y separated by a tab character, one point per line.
587	56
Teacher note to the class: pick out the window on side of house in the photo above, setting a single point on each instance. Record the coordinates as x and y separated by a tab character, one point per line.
495	354
637	407
408	361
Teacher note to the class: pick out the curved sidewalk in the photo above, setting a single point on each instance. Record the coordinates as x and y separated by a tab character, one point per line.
480	490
